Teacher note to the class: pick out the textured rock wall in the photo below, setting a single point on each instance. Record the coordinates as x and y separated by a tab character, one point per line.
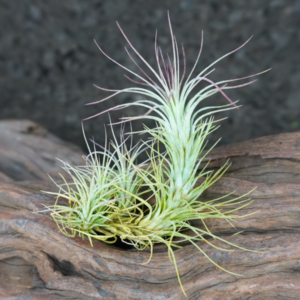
48	60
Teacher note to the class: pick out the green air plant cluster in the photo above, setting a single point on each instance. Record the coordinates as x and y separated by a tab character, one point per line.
153	202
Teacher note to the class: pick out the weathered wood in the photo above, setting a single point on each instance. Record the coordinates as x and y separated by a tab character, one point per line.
28	152
38	262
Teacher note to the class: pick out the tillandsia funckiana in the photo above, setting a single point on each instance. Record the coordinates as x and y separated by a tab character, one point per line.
108	199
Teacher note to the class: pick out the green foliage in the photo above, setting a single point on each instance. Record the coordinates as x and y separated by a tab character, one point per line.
156	201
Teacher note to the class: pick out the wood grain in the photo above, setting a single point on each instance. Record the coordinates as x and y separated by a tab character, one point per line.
38	262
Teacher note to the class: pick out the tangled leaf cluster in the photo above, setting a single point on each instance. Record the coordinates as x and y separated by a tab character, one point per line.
153	202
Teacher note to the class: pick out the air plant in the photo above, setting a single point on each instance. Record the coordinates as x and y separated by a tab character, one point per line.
96	195
183	130
108	199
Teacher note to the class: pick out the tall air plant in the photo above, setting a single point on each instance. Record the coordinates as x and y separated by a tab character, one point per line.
183	129
179	121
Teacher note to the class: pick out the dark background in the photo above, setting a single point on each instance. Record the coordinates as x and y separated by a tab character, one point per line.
49	62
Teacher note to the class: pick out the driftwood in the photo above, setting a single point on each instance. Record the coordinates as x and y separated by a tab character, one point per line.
28	152
38	262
